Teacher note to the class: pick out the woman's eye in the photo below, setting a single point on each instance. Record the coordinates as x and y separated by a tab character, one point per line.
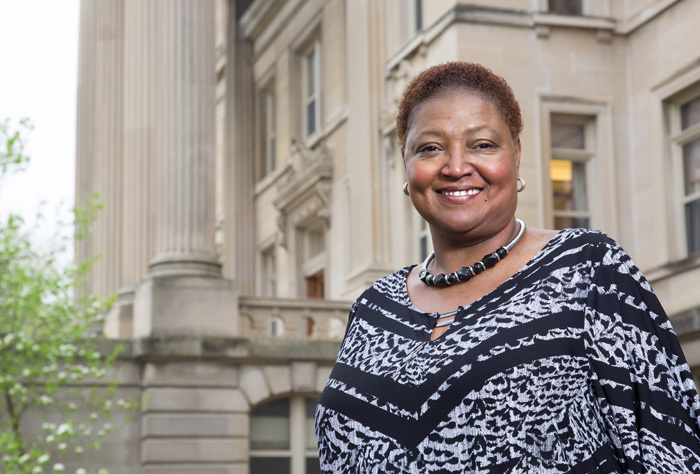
484	146
428	149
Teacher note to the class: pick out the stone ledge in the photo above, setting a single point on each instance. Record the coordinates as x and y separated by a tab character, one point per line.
233	349
205	450
197	469
173	425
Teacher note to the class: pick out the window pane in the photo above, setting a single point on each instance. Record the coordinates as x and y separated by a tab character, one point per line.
313	466
423	248
691	166
271	154
269	426
568	185
570	222
309	421
418	6
692	226
690	113
270	465
311	117
311	73
565	7
568	135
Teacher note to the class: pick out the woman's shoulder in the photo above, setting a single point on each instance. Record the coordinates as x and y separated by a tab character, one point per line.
581	238
392	286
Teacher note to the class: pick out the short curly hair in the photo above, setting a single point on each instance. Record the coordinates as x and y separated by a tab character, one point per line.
459	75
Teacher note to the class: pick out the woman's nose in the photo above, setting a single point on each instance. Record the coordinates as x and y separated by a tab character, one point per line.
458	163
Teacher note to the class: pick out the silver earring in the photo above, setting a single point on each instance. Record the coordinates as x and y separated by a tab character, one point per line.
405	188
521	183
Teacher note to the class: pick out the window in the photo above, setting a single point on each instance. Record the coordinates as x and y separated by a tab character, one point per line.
571	138
282	438
565	7
311	89
687	139
312	254
269	131
268	283
416	15
423	240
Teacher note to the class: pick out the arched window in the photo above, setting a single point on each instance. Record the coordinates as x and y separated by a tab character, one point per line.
276	326
282	437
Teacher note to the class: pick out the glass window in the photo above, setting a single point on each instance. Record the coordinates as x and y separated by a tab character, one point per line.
568	171
269	273
690	151
311	255
690	113
416	16
269	426
311	90
270	132
566	7
423	240
568	135
283	438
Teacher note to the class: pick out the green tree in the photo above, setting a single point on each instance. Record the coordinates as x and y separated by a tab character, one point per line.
49	349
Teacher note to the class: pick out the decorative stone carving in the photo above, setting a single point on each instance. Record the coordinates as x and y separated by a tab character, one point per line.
304	187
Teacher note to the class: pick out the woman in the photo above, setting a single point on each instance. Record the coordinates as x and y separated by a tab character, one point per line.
550	354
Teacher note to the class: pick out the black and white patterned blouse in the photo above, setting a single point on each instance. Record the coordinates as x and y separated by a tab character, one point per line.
571	366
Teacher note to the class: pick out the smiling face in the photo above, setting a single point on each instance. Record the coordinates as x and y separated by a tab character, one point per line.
462	165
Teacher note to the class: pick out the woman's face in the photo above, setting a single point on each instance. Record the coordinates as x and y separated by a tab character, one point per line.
462	165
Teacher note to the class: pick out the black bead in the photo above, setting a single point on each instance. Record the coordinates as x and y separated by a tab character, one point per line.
464	274
440	280
502	252
490	260
477	268
451	278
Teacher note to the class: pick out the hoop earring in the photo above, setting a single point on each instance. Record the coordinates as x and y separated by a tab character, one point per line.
405	188
521	183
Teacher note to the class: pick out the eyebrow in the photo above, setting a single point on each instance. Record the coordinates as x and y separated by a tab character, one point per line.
469	131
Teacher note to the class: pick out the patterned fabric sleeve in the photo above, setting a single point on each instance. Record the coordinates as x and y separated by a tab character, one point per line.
639	375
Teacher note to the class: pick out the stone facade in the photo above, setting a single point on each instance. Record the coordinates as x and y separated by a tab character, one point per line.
246	156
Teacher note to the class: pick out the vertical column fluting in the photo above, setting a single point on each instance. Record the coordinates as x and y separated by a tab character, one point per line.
99	149
185	107
85	123
140	22
239	171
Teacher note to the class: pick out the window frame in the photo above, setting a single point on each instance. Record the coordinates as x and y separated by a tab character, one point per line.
677	138
586	155
268	272
270	131
298	453
265	126
602	203
311	267
313	47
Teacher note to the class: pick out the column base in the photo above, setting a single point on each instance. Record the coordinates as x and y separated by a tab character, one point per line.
181	304
120	319
184	264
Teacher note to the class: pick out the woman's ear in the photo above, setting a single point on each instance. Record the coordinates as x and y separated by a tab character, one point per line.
518	147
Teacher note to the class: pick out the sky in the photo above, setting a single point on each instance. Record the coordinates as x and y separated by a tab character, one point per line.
38	80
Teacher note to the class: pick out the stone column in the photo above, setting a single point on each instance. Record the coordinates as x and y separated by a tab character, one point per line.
184	292
138	159
239	166
369	245
85	122
98	151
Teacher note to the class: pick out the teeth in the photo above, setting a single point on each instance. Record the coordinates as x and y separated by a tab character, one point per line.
469	192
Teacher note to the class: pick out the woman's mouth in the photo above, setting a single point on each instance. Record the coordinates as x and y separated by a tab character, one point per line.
461	192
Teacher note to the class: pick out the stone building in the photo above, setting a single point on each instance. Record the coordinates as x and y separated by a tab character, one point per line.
245	154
